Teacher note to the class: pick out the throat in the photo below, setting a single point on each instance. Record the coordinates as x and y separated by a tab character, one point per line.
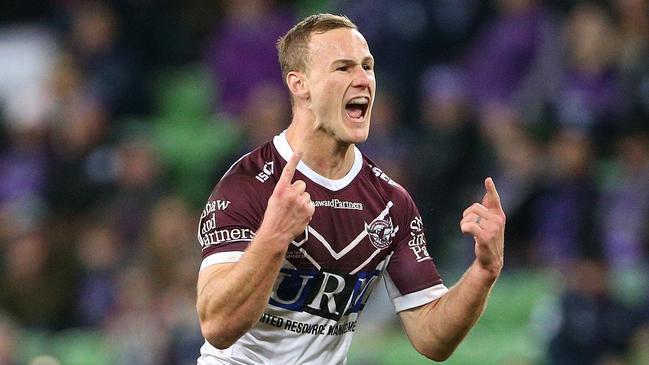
322	150
330	163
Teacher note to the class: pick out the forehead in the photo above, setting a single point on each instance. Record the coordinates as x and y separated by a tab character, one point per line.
340	43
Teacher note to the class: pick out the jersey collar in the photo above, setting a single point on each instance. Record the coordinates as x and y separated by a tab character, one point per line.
281	144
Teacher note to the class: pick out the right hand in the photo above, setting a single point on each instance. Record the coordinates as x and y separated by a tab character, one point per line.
289	207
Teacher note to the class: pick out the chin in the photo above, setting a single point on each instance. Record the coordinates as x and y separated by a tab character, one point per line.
354	132
358	136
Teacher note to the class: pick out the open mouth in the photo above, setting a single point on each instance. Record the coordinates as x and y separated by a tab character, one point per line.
356	108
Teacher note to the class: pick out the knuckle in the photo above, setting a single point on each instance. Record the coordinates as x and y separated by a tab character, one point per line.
293	199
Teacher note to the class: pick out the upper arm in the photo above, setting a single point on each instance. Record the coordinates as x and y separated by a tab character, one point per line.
206	277
210	273
417	325
414	285
411	277
411	320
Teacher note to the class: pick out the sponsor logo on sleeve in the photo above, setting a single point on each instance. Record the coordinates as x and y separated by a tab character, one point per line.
207	234
214	205
417	241
211	237
382	175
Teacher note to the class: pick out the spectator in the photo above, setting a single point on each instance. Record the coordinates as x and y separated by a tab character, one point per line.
242	53
624	207
593	327
589	95
567	233
506	50
451	147
100	254
37	282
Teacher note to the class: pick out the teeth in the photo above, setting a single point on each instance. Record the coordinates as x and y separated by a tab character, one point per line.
359	100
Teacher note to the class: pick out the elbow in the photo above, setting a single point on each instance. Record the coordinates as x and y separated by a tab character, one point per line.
219	334
223	333
436	353
438	357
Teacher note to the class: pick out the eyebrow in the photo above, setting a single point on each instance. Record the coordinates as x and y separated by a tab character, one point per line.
351	62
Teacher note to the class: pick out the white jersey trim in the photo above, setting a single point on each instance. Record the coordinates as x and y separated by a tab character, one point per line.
234	164
221	258
415	299
284	149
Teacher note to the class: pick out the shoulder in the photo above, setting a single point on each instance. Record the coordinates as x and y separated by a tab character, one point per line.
388	187
251	171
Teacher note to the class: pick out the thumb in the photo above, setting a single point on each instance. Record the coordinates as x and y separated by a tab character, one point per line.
491	199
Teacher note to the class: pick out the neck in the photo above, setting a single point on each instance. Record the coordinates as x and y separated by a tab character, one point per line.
321	151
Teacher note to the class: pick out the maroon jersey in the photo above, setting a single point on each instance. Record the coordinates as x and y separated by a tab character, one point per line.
365	226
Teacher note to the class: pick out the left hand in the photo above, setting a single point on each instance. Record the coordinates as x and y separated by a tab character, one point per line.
486	223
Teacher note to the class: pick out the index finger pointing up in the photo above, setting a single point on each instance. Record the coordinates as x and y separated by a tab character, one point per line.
491	199
289	169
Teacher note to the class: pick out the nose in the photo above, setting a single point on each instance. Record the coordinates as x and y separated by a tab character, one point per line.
361	78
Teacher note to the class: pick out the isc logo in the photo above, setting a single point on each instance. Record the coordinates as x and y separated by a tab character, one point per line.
323	294
267	170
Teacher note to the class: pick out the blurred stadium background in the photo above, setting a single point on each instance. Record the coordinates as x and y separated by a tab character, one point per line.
118	117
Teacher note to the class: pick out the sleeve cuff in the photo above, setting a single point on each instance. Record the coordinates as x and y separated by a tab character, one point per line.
221	258
419	298
415	299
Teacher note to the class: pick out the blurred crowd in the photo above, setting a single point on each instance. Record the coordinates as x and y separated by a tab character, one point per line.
118	117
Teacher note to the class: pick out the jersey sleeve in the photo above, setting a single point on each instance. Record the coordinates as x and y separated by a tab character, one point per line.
411	277
229	220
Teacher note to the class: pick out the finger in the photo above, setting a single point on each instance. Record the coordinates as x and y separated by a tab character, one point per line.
475	208
306	198
310	210
474	218
299	186
491	198
471	228
289	169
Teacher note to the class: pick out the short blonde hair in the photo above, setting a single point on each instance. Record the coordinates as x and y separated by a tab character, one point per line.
293	47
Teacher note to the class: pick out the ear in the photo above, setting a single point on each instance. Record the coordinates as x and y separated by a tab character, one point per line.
296	82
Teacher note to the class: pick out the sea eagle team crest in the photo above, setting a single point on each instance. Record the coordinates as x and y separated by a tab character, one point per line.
381	232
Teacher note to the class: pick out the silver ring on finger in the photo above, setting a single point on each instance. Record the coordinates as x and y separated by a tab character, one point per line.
477	220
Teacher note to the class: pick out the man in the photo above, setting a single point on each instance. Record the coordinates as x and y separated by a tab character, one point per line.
298	231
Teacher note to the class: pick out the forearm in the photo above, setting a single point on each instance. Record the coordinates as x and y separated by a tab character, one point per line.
232	297
445	322
437	328
229	305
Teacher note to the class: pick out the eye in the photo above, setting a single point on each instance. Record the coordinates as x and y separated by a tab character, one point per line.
342	68
367	67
